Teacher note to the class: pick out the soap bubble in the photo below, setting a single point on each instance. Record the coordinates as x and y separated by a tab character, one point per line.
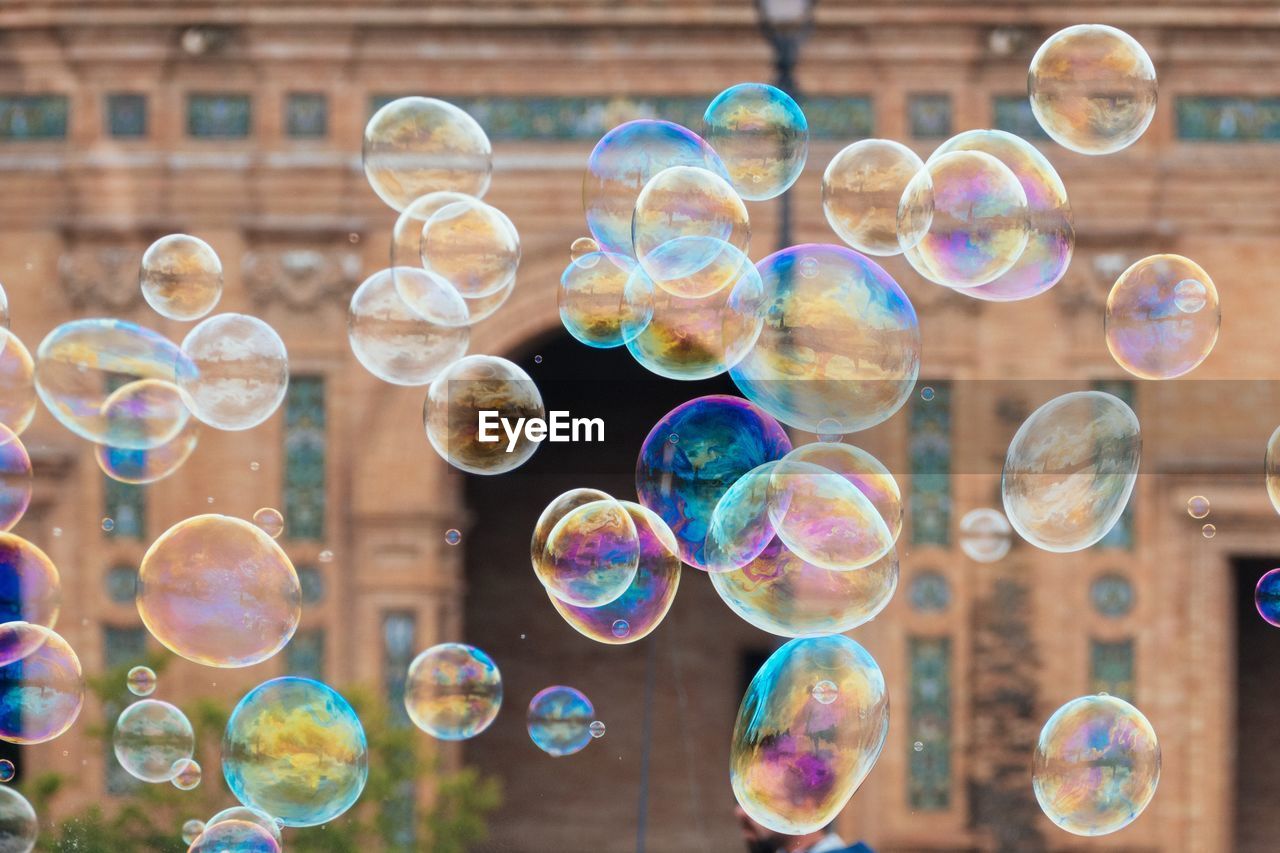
1070	470
926	394
622	162
985	535
1092	88
455	401
296	750
1198	506
181	277
861	189
453	691
234	836
633	615
42	691
795	763
1272	468
840	348
148	466
596	729
269	521
1190	296
721	438
471	245
559	720
248	815
582	247
15	478
218	591
1148	334
144	415
824	518
452	536
591	555
7	770
18	824
1266	597
398	344
151	738
763	136
17	383
141	681
238	371
191	830
1208	531
593	304
186	774
1097	763
551	516
826	692
4	308
1052	234
962	221
867	473
696	219
414	146
30	588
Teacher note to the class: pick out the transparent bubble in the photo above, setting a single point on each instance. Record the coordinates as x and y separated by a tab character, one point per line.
141	681
591	555
79	363
1209	531
237	373
218	591
1266	597
326	556
861	189
42	691
1070	470
18	824
926	394
453	691
108	524
471	245
1097	764
1147	333
181	277
17	383
794	763
234	836
295	750
269	521
148	466
1092	88
455	401
824	518
1272	469
452	536
963	221
593	304
721	439
191	830
633	615
582	247
840	347
622	162
596	729
151	738
763	136
414	146
918	746
30	589
826	692
1052	236
4	308
249	815
559	720
15	478
985	535
1190	296
696	219
398	344
186	774
550	517
867	473
1197	506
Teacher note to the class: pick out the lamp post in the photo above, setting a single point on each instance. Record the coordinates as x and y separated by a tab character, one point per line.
785	25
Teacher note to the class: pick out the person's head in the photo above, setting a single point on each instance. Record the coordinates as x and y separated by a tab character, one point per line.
760	839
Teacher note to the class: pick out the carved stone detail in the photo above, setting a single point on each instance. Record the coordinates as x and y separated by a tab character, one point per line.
301	278
96	276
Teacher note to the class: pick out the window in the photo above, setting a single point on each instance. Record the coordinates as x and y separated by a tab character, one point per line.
398	629
121	583
930	593
1111	595
121	648
312	581
126	505
306	115
304	464
930	450
304	656
1121	535
218	116
1228	118
126	115
1111	668
32	117
929	115
1012	113
929	724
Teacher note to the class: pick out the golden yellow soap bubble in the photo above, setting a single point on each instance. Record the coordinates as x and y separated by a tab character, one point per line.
181	277
414	146
472	410
861	189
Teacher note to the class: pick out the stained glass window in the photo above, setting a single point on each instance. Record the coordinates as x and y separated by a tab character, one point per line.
304	464
929	726
398	630
930	592
126	505
126	115
29	117
930	449
306	115
1112	595
304	656
1012	113
1111	667
1121	535
122	583
1228	118
121	647
218	116
929	115
312	581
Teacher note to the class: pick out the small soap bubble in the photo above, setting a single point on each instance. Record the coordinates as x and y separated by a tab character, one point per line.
269	521
108	524
326	556
621	628
537	359
191	831
596	728
353	237
1266	597
1190	295
57	533
1209	531
582	247
452	536
141	681
825	692
926	393
918	746
7	770
1198	506
254	466
210	500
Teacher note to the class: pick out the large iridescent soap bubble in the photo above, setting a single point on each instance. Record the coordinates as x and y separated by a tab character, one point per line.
453	691
782	594
1162	317
559	720
985	535
396	343
148	466
795	759
641	608
19	827
145	414
962	220
150	738
248	815
840	347
762	135
867	473
79	364
591	555
218	591
471	245
561	506
621	164
1070	469
824	518
694	454
1271	469
30	587
1097	764
1266	597
234	836
466	406
414	146
1051	231
593	304
17	383
181	277
861	189
296	750
15	478
1092	88
41	692
237	371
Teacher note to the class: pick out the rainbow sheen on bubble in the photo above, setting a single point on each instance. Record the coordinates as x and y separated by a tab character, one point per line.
148	466
1266	597
582	247
593	304
234	836
17	383
795	762
219	591
762	135
453	691
181	277
41	692
19	827
1092	88
840	347
269	521
145	414
985	535
861	189
414	146
472	245
249	815
591	555
1097	764
15	478
1152	330
398	344
295	749
1271	469
457	397
1070	470
7	770
186	774
150	738
191	830
865	472
550	517
236	372
824	518
141	681
30	587
559	720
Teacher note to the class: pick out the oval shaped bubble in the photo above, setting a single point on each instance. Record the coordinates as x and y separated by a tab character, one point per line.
141	681
42	692
593	304
1162	317
591	555
453	691
559	720
150	738
17	383
762	135
481	386
236	371
414	146
396	343
181	277
15	478
985	535
861	189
